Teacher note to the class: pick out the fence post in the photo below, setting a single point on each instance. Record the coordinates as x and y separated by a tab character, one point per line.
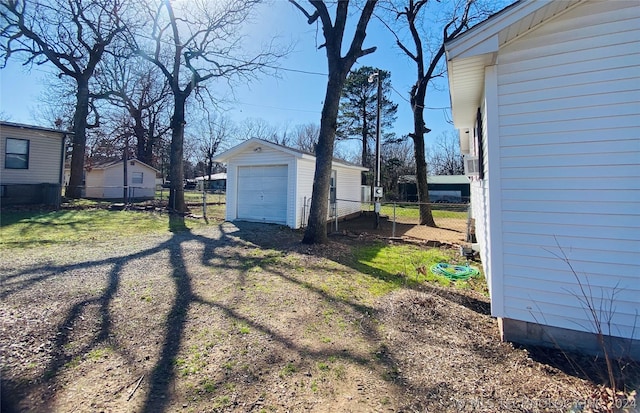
335	214
204	205
393	231
304	213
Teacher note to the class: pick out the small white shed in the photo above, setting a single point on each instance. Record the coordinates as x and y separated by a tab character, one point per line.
106	180
271	183
546	97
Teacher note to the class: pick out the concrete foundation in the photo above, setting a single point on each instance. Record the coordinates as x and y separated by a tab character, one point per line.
524	332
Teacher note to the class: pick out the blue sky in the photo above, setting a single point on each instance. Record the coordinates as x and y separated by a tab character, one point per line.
291	98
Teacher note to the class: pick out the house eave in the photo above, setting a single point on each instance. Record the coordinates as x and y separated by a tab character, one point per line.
60	132
119	163
469	53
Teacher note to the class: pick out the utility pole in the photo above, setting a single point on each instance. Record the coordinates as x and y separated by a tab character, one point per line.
377	191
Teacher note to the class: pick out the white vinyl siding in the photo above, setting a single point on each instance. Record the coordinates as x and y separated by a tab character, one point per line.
348	190
569	148
95	185
45	156
108	182
305	173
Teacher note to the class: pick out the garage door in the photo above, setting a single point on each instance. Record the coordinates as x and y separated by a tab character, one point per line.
262	193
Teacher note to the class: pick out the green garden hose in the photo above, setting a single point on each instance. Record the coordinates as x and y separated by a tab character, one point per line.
454	272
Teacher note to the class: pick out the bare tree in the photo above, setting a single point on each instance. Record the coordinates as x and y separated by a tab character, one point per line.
211	134
56	103
305	137
339	67
398	160
444	156
139	90
191	43
428	66
73	35
262	129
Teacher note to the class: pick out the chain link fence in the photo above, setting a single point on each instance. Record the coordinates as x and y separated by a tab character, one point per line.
453	220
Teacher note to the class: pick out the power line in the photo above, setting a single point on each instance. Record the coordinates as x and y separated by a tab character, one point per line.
286	69
423	107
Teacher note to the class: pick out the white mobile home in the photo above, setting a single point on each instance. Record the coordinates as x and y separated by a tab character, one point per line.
273	184
31	165
545	95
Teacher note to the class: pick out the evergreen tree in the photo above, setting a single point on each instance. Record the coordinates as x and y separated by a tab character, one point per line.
358	110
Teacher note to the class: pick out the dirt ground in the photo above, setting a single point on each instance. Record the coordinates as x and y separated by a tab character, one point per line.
450	231
244	318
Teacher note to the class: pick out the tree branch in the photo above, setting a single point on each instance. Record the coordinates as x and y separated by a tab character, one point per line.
311	18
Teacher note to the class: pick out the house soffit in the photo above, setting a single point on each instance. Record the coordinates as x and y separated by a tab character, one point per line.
469	53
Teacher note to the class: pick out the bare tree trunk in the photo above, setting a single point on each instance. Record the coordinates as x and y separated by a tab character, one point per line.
426	216
74	188
410	11
316	231
419	129
339	66
176	167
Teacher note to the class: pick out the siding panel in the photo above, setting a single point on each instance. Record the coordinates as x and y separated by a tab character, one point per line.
569	112
45	152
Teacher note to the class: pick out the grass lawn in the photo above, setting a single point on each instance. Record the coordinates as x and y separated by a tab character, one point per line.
21	229
395	265
412	211
407	265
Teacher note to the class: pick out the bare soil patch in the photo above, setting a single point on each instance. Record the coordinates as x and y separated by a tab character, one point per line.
450	231
244	318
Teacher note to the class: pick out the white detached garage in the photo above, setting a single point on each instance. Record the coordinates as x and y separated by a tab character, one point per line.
271	183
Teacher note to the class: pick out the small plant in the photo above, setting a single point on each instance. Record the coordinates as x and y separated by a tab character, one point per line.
98	353
600	310
73	363
243	327
323	366
221	402
340	371
288	370
208	386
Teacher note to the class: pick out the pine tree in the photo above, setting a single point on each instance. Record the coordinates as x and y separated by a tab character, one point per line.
358	110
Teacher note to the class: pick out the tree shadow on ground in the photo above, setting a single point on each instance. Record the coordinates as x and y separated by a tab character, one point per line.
163	373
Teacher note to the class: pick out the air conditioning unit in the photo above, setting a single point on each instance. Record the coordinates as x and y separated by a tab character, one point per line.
471	165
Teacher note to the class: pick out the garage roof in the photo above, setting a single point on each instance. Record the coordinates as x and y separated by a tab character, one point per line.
254	144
